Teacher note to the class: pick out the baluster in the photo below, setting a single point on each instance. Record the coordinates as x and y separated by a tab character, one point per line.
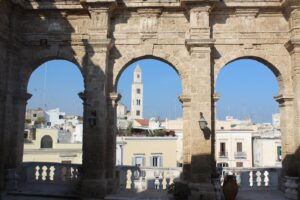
171	179
63	173
44	173
51	173
266	178
128	179
258	178
164	181
47	170
37	172
251	178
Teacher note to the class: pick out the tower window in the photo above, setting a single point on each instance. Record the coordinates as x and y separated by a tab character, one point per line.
138	91
138	102
138	113
138	76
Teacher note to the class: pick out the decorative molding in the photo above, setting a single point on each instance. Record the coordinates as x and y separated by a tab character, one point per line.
113	98
216	97
199	47
185	100
21	98
284	100
293	46
149	22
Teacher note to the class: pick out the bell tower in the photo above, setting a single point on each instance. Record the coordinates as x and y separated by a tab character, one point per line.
137	94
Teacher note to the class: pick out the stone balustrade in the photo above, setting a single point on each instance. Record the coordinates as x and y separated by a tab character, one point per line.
50	172
254	178
145	178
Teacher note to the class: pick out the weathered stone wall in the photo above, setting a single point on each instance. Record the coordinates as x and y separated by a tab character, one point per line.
102	38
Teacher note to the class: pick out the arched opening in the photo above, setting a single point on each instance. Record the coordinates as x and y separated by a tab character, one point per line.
247	116
46	142
54	114
149	119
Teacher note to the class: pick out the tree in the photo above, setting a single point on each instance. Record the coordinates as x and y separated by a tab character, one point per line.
40	120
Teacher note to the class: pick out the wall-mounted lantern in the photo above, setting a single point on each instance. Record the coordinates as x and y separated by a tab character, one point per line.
202	122
92	119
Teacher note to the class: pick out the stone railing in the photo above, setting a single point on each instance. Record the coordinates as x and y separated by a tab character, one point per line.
240	155
50	172
145	178
254	178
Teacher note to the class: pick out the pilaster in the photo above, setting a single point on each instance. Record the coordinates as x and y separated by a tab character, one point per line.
95	117
292	143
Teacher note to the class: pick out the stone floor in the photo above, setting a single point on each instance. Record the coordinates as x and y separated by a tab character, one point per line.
157	195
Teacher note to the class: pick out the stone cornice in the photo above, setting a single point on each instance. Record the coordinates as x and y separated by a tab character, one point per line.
293	45
284	100
113	98
185	100
21	98
192	44
216	97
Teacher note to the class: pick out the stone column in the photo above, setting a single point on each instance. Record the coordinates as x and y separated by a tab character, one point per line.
186	157
111	141
2	110
13	137
291	161
286	128
97	47
95	120
201	142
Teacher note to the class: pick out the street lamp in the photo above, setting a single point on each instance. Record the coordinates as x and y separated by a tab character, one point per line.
202	122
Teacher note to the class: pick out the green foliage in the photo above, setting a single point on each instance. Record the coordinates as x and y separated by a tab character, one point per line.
27	121
40	120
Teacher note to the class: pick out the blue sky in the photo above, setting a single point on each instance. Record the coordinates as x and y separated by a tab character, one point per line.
246	87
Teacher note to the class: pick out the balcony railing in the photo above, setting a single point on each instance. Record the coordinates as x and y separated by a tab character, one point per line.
223	154
240	155
145	178
254	178
41	178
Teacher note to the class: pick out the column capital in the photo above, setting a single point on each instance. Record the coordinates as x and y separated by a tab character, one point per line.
99	46
185	100
293	46
113	98
21	98
284	100
198	47
216	97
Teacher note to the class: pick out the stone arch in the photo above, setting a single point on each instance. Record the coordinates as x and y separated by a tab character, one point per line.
162	56
44	56
269	62
46	142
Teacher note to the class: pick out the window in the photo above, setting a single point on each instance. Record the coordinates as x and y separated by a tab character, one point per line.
138	113
278	153
239	164
138	91
156	161
138	76
239	147
222	149
46	142
138	102
60	116
138	160
34	115
222	165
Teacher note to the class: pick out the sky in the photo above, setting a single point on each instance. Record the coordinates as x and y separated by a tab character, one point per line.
246	87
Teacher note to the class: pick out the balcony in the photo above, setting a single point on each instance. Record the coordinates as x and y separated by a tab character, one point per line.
39	180
223	154
240	155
